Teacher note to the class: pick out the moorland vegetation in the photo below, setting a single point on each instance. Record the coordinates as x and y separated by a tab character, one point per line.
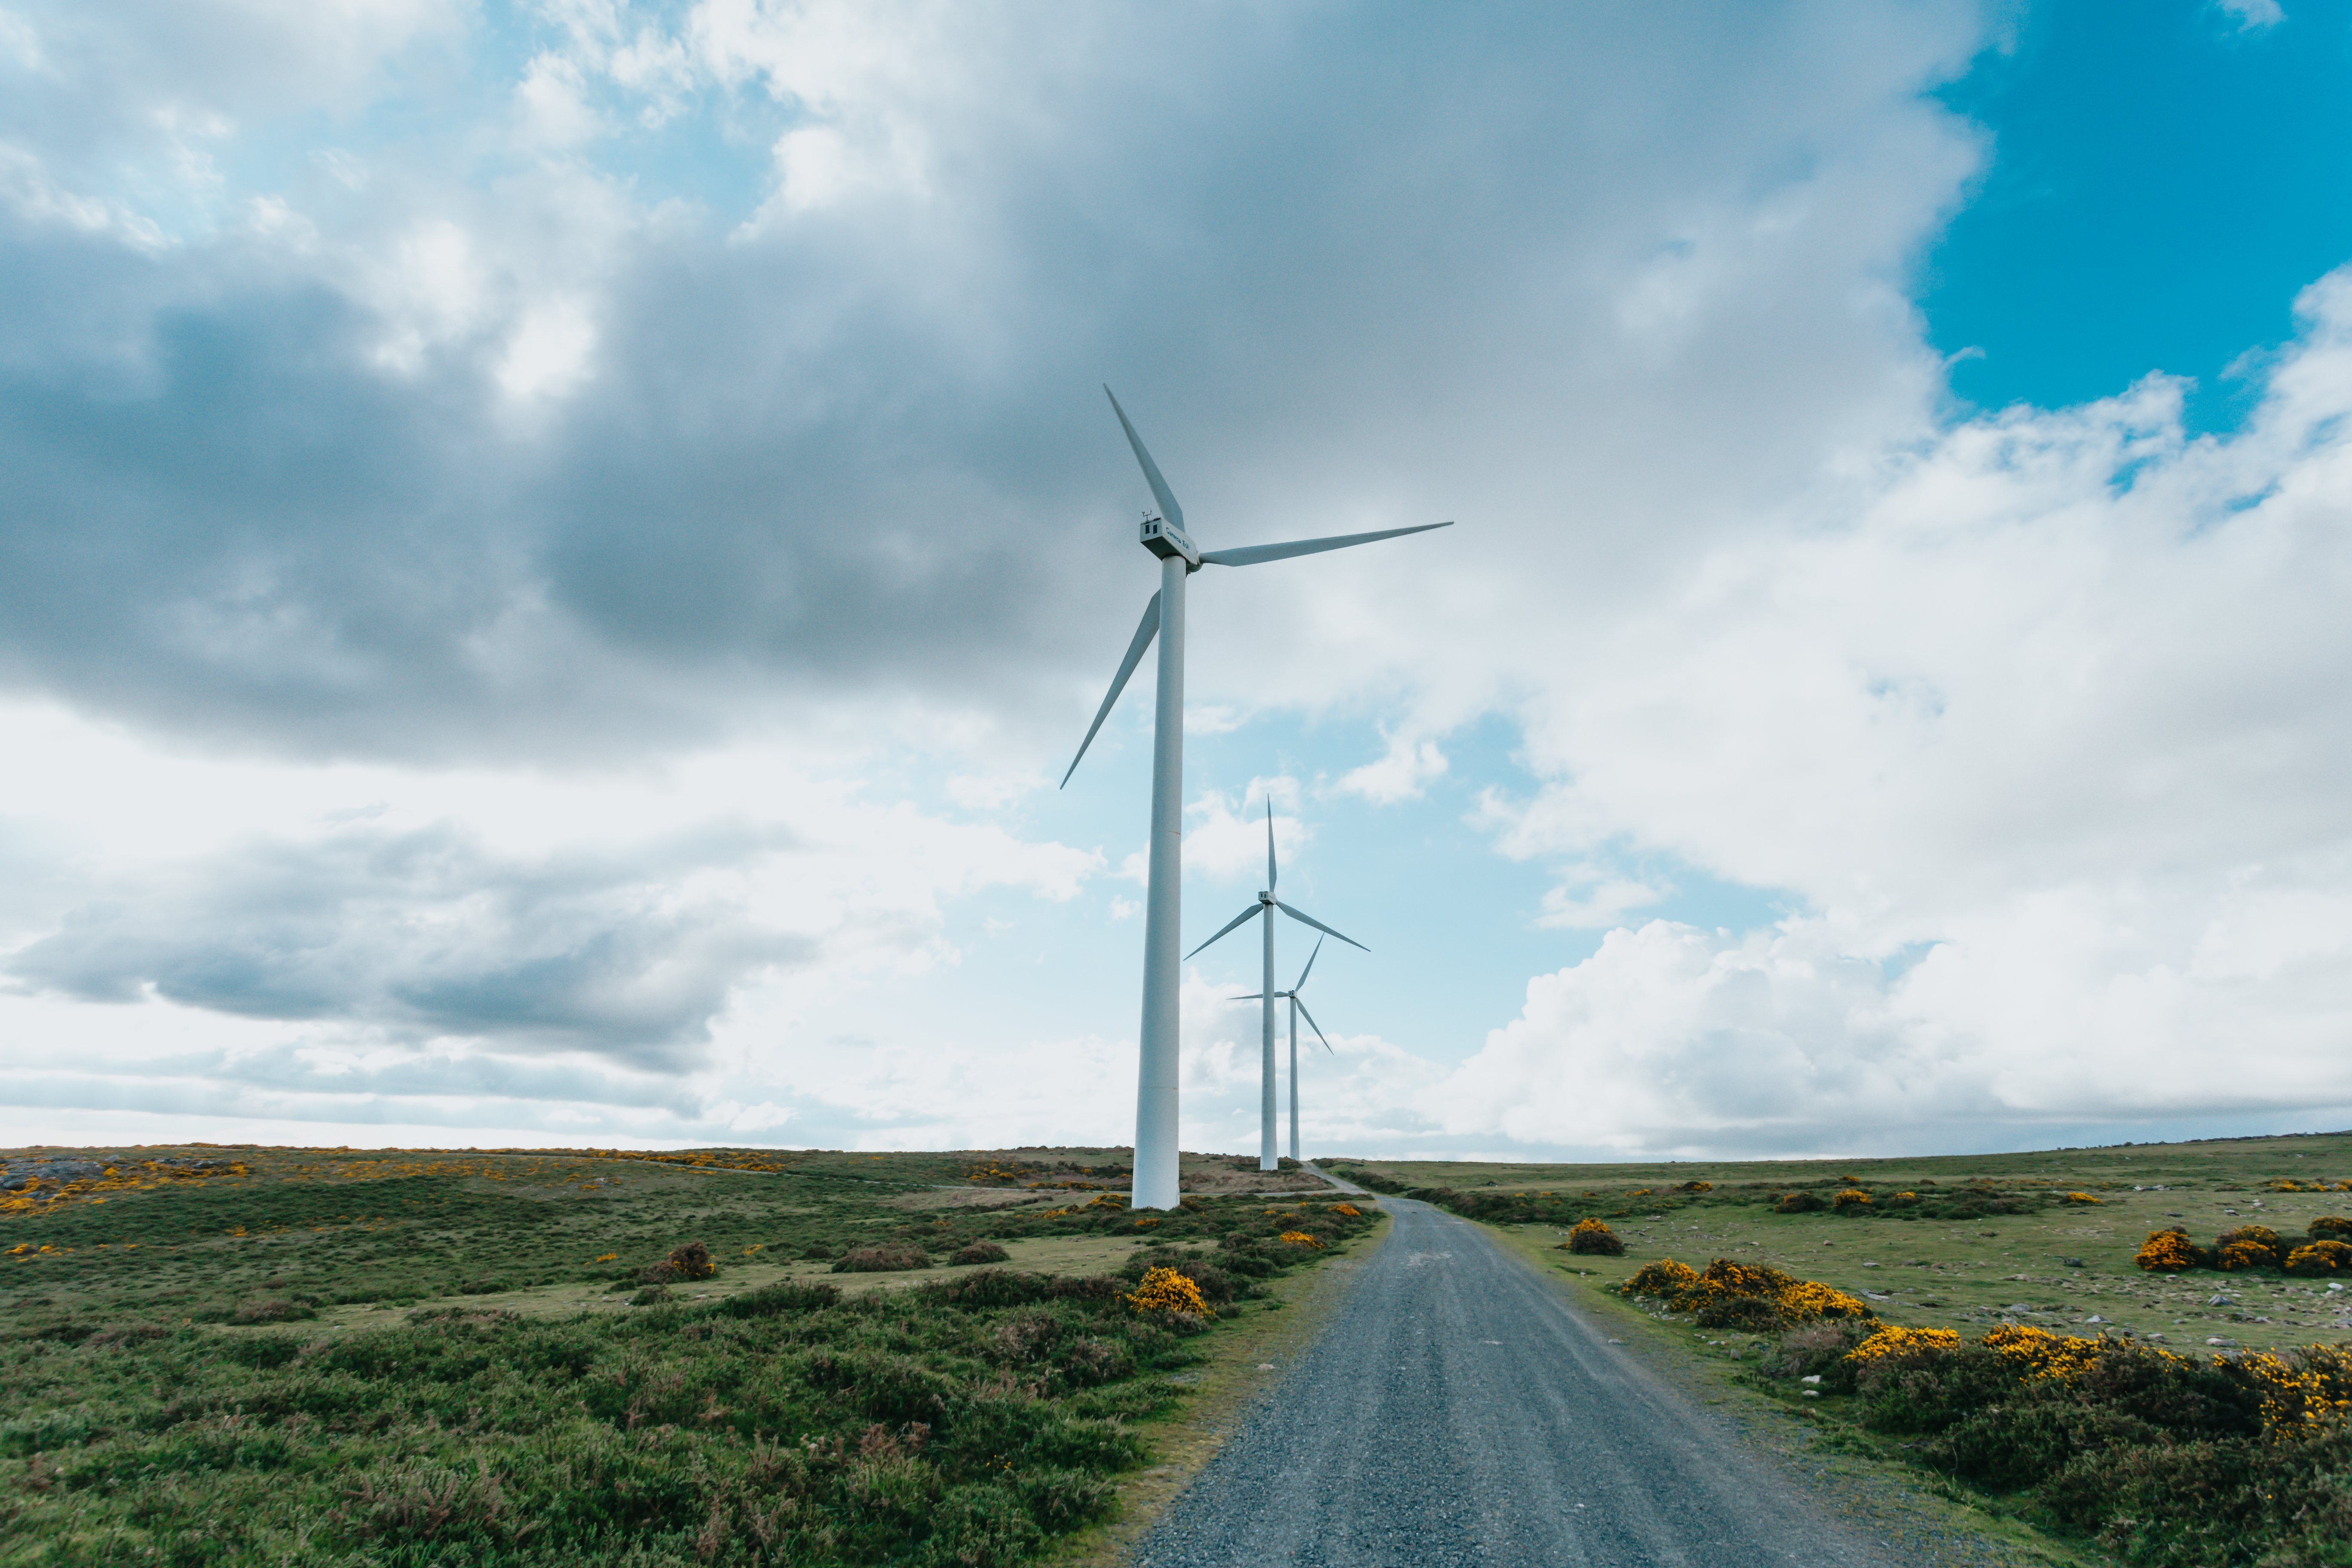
553	1358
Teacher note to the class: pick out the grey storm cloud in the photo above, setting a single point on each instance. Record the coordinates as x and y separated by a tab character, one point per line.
858	448
426	934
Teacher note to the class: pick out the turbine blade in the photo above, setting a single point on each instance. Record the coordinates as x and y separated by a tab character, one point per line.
1248	913
1159	491
1253	996
1301	983
1144	632
1319	925
1269	844
1311	1023
1250	556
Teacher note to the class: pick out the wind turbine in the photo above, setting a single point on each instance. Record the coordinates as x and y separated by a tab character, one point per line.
1164	536
1263	909
1298	1006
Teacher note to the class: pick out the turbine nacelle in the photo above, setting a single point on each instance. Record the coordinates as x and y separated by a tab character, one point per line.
1167	540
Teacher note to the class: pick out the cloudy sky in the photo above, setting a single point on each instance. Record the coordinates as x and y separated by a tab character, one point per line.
552	556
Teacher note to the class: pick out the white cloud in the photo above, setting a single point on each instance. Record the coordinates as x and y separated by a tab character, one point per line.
1226	840
1408	767
2058	693
2253	15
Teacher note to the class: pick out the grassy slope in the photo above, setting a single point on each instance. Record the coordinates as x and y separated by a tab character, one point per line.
368	1242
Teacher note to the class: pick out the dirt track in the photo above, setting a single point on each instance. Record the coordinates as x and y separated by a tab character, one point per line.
1456	1411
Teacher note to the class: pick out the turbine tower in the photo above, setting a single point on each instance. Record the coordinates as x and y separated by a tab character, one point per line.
1298	1006
1164	536
1263	909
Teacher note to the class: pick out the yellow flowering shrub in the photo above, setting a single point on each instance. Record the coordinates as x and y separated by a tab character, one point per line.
2320	1258
2038	1353
2166	1251
1850	1200
1299	1238
1594	1236
2303	1389
1165	1290
1350	1210
1896	1342
2237	1255
1741	1295
2079	1198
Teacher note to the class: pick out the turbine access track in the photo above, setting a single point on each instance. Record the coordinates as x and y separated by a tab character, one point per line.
1454	1411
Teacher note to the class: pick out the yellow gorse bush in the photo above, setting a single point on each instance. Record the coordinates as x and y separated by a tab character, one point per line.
2079	1198
1299	1238
1895	1342
2039	1354
2168	1251
2303	1389
1350	1210
1165	1290
1851	1198
2320	1258
1741	1294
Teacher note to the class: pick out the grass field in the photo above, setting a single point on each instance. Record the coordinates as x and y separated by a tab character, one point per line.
2054	1263
245	1356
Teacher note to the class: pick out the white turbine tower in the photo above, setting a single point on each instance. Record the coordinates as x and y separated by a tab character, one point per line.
1164	536
1263	909
1298	1006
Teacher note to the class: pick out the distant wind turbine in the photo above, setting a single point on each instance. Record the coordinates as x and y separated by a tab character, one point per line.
1164	536
1263	909
1298	1006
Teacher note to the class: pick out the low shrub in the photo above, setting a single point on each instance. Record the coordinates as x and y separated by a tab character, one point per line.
1163	1290
1816	1347
1797	1202
2320	1258
2331	1227
691	1261
274	1311
1853	1200
2168	1251
2166	1460
2079	1198
889	1258
1731	1295
2250	1247
1591	1237
977	1252
773	1300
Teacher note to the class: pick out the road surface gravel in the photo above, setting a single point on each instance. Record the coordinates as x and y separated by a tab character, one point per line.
1455	1410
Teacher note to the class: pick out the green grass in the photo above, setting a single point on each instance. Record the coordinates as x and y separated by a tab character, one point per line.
428	1357
2050	1263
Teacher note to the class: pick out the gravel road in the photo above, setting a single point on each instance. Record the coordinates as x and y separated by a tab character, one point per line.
1456	1411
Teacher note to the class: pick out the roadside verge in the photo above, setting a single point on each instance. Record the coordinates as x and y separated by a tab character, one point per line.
1220	1393
1881	1497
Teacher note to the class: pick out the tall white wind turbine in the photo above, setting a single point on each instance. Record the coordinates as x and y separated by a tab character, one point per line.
1264	910
1298	1006
1164	536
